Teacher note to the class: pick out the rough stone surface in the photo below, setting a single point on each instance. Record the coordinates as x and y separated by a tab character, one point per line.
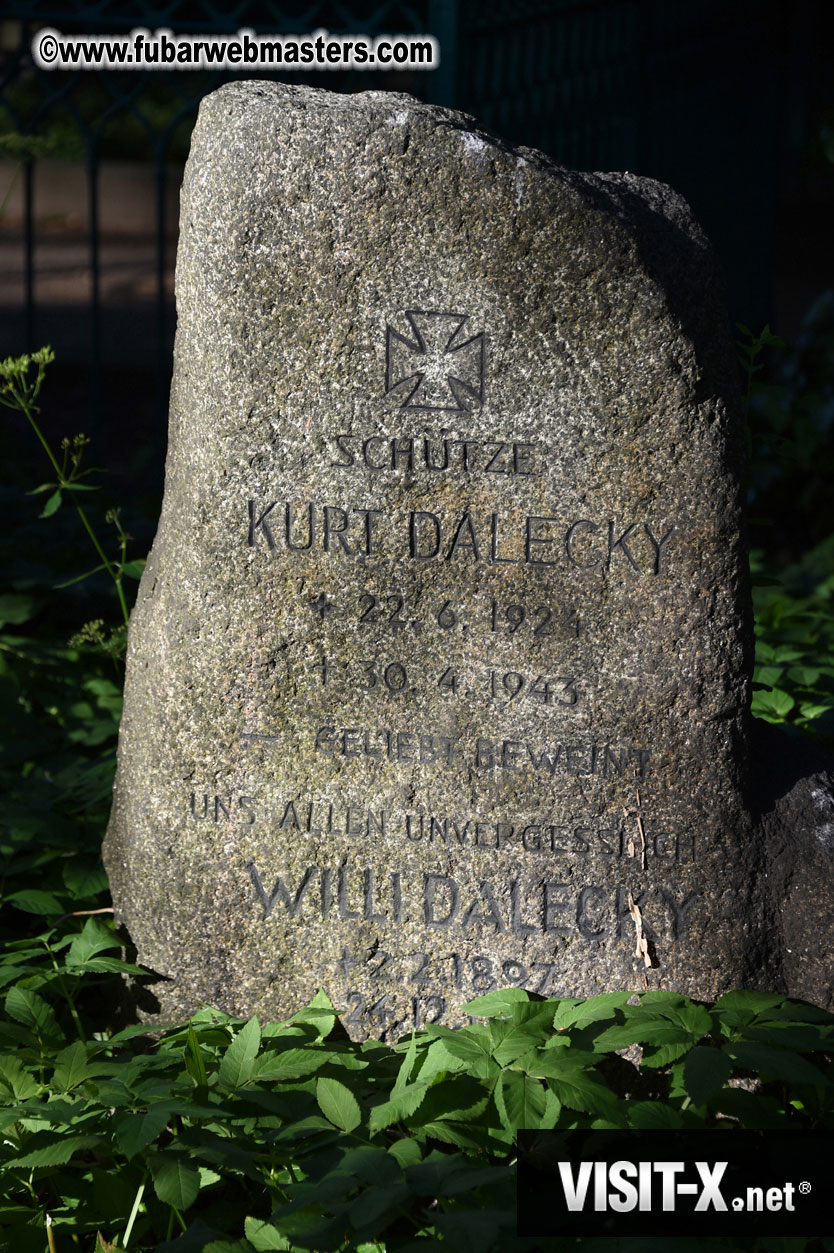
440	657
793	803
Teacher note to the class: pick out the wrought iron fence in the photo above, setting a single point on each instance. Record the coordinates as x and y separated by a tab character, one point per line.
662	89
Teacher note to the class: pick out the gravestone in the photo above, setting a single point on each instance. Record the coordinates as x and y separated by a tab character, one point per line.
437	674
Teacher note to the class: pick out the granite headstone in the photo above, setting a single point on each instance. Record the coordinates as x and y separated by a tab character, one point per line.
437	675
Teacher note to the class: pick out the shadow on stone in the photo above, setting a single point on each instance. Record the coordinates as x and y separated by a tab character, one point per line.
792	801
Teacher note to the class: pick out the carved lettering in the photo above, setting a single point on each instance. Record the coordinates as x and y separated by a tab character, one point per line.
222	808
537	540
587	912
505	457
280	892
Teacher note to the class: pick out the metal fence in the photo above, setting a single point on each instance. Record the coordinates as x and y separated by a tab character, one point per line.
656	87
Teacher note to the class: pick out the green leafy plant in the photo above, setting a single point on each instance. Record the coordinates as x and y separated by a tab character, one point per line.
292	1136
794	675
21	379
789	424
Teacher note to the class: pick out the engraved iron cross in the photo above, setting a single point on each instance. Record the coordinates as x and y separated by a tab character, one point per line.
439	368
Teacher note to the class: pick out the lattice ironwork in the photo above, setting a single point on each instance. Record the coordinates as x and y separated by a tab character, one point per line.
147	117
657	88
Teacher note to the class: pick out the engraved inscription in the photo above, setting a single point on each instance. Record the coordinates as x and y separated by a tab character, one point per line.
573	837
604	760
394	612
475	974
382	676
440	902
540	541
503	457
208	808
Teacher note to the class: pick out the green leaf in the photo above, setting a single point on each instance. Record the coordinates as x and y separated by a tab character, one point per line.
809	710
32	1010
10	974
16	608
373	1203
95	938
135	1132
666	1029
791	1035
520	1100
464	1135
370	1163
555	1062
176	1182
748	1003
312	1230
800	1011
14	1076
653	1116
536	1016
432	1176
82	880
133	569
705	1072
583	1090
264	1237
107	965
511	1041
400	1106
805	676
571	1013
52	505
438	1060
750	1109
775	1063
471	1045
281	1065
57	1152
103	687
772	706
320	1013
460	1096
238	1060
785	653
552	1110
472	1231
496	1004
406	1067
35	901
406	1152
768	675
338	1104
71	1067
194	1063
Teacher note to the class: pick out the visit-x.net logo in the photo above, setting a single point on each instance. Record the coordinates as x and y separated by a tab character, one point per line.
706	1183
